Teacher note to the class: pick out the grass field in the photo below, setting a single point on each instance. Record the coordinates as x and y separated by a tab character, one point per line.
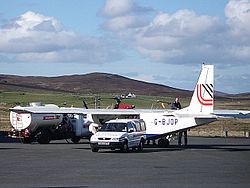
231	127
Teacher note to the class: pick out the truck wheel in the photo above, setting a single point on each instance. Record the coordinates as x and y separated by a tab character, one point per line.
27	140
140	146
94	149
124	147
75	139
44	137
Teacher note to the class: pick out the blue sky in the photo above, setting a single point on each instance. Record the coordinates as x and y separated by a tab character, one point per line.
161	41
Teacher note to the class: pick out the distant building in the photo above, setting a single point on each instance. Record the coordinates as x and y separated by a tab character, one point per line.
131	95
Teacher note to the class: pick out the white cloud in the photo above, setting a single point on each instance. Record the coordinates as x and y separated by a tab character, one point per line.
178	37
33	37
185	37
117	8
4	59
183	23
124	22
238	17
114	8
32	21
124	14
230	83
240	53
94	53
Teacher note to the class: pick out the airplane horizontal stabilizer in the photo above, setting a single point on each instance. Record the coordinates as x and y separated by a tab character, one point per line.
232	113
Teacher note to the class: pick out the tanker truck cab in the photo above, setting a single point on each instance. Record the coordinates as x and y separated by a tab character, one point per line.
120	134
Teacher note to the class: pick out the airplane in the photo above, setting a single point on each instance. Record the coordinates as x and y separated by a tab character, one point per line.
160	124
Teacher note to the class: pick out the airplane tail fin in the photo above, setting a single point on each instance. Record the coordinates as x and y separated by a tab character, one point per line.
202	101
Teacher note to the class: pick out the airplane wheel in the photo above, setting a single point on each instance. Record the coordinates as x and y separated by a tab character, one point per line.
163	142
166	143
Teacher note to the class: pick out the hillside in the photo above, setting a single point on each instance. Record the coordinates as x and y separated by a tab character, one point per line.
88	83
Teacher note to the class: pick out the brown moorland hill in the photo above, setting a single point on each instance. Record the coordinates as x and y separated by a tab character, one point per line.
88	83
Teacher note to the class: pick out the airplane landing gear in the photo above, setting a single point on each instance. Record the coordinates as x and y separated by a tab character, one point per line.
180	134
185	138
163	142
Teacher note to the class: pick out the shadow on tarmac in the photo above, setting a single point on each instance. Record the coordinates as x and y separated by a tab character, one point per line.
154	149
5	139
147	148
222	147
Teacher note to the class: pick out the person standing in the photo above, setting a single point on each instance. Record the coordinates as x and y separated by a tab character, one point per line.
176	105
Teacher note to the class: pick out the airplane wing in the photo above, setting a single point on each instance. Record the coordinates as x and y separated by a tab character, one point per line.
39	110
53	109
99	116
232	113
58	110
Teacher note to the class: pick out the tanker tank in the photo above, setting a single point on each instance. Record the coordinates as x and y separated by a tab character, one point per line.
21	121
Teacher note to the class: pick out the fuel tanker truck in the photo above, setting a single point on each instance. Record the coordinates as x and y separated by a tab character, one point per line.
44	127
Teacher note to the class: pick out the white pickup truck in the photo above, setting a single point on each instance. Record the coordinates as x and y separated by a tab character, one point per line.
120	134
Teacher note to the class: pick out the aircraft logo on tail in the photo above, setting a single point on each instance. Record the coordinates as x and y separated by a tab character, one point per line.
205	90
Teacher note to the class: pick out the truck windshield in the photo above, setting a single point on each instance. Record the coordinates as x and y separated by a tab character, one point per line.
114	127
